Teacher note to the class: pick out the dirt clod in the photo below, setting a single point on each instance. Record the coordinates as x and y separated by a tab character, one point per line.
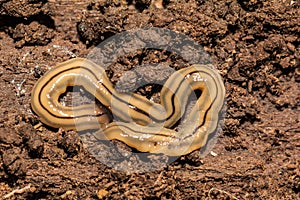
32	34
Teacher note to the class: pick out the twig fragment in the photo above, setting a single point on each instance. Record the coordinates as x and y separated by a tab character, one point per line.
17	191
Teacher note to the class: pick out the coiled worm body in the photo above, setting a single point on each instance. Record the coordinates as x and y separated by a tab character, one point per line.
139	122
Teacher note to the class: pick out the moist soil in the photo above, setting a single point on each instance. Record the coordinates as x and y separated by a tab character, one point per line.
254	45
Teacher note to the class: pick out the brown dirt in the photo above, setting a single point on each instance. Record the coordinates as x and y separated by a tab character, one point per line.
255	45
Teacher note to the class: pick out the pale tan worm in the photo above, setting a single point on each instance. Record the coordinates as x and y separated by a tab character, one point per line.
140	123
